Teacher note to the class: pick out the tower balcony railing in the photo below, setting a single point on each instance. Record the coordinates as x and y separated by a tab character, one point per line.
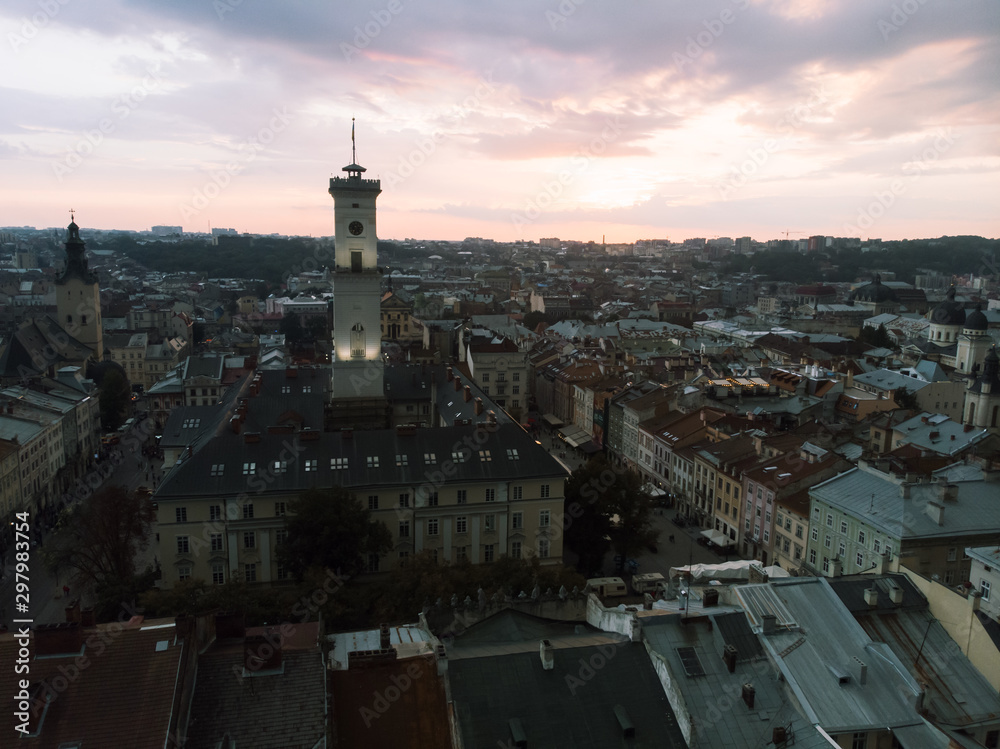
354	182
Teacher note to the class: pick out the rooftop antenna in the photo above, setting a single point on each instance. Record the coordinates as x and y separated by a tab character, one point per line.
871	505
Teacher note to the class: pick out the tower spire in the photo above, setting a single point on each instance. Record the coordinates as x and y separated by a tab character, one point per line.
354	150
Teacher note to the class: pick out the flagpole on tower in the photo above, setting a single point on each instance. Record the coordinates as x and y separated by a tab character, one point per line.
354	151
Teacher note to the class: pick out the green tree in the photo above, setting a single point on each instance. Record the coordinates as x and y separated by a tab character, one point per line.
99	539
877	337
291	326
905	398
606	508
331	528
114	397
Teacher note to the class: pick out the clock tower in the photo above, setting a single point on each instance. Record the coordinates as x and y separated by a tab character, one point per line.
357	394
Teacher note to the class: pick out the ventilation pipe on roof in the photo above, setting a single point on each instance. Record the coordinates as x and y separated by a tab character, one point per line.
871	597
545	653
748	693
624	722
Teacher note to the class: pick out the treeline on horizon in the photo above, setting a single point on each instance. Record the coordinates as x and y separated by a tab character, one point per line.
272	259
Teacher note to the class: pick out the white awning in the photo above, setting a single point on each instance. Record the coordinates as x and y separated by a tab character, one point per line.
718	537
552	420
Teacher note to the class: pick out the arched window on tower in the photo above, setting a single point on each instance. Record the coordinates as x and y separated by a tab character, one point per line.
358	341
972	413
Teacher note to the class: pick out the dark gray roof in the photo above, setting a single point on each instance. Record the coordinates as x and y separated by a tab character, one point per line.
204	366
193	476
851	590
735	630
277	711
299	399
561	708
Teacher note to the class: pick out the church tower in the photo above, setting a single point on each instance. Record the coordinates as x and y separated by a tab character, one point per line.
974	342
357	394
982	398
78	296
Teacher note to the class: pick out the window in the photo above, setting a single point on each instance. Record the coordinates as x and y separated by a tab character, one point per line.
860	559
827	541
338	464
516	492
490	523
218	574
461	496
516	376
404	499
373	461
515	549
543	519
430	458
280	509
281	573
215	512
307	388
460	554
515	389
952	552
460	456
485	456
767	535
358	336
512	454
812	556
402	557
280	537
984	588
461	525
249	469
826	564
432	527
992	739
216	540
543	548
286	389
373	501
859	741
517	520
249	539
798	552
785	545
877	546
311	466
486	376
861	537
829	521
488	553
248	511
491	495
250	573
798	531
843	527
218	469
767	517
404	528
544	491
402	460
183	545
180	514
841	550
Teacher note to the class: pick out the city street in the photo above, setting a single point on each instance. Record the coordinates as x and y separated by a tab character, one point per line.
122	466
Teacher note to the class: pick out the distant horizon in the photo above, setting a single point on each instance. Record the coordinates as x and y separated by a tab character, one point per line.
512	120
84	229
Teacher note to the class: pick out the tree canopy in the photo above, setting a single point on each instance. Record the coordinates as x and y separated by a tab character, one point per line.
606	508
331	528
98	539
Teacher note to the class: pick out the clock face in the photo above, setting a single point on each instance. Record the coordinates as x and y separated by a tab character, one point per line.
356	227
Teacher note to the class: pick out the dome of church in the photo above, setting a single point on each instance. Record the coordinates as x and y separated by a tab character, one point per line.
874	292
977	320
949	312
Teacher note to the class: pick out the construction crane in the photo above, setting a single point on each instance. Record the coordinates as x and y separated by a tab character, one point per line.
786	233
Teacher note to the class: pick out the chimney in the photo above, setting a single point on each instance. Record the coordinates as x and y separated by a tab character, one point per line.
871	597
262	652
710	598
896	595
451	374
769	624
748	693
458	384
442	659
73	611
545	653
347	433
779	736
862	670
518	738
58	639
235	423
251	437
837	567
729	657
478	406
967	428
948	492
935	511
467	394
974	599
624	722
383	636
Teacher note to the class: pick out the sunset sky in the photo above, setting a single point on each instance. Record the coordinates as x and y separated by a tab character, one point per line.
510	120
